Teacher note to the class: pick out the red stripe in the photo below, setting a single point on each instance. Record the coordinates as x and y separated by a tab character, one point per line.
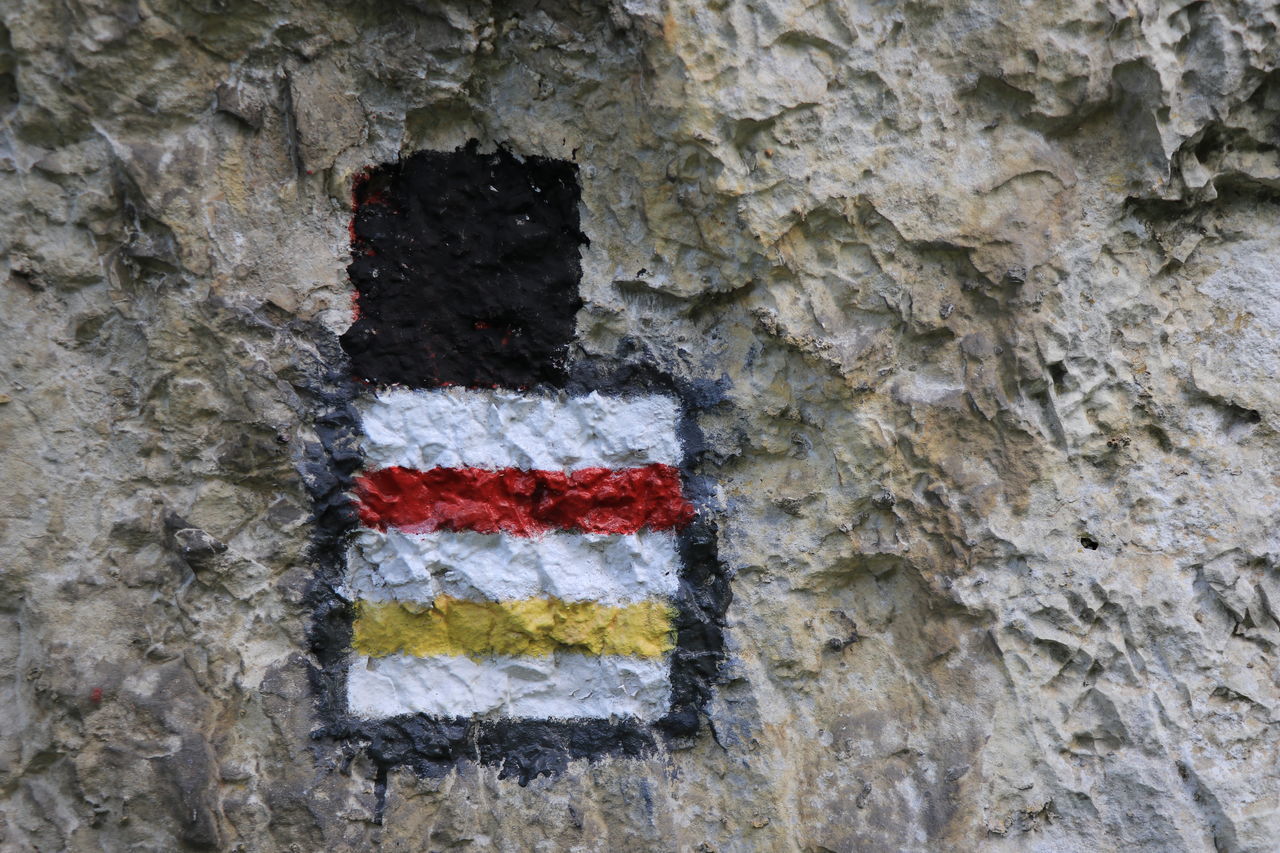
523	503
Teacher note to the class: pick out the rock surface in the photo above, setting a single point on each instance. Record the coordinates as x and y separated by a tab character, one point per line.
991	292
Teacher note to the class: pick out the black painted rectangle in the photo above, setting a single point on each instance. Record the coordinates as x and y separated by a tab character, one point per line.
466	270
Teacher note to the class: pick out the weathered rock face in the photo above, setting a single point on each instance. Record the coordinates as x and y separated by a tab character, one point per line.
992	294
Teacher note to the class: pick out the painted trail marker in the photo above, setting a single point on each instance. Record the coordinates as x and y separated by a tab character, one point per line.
520	573
525	612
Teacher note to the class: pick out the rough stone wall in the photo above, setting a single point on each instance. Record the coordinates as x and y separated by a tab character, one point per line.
992	292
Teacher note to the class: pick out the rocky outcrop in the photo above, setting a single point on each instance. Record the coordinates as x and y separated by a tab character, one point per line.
988	296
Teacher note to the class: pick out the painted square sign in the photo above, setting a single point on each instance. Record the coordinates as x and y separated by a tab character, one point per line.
515	563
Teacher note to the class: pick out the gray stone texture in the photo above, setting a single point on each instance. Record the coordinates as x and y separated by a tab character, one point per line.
993	292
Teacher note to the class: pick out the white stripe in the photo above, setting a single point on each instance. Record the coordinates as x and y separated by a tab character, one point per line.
457	427
562	686
572	567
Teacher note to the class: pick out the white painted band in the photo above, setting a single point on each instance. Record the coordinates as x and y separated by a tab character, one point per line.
458	427
561	686
394	565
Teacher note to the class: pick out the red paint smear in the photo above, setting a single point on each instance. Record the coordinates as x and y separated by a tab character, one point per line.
524	503
357	188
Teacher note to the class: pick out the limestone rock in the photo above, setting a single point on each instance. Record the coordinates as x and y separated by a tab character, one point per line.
988	292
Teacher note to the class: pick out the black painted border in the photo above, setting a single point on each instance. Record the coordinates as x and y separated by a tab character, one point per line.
524	748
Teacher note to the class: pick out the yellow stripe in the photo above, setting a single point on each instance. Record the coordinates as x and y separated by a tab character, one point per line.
534	626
